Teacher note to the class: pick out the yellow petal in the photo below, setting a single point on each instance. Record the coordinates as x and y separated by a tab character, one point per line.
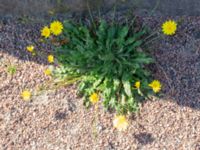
45	32
169	27
137	84
50	58
47	72
30	48
155	85
94	98
56	27
120	122
26	95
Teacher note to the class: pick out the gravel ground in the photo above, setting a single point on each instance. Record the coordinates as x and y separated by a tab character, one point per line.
57	120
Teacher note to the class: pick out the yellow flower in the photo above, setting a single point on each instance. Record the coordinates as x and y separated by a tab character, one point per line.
120	122
47	72
155	85
26	95
137	84
30	48
56	27
169	27
50	58
94	98
45	32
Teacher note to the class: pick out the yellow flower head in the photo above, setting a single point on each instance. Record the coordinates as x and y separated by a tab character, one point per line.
56	27
30	48
120	122
50	58
45	32
169	27
47	72
155	85
26	95
137	84
94	98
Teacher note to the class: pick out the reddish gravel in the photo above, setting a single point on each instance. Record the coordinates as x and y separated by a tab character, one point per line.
57	120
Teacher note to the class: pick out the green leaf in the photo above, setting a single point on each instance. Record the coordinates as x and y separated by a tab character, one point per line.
112	101
123	99
134	46
130	41
139	34
116	84
127	85
123	32
143	60
97	82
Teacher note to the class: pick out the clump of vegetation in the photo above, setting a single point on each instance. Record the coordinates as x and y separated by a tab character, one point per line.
108	62
11	69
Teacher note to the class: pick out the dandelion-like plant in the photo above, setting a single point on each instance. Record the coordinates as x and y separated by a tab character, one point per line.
94	98
56	28
45	32
169	27
120	123
30	48
108	63
50	58
155	85
26	95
